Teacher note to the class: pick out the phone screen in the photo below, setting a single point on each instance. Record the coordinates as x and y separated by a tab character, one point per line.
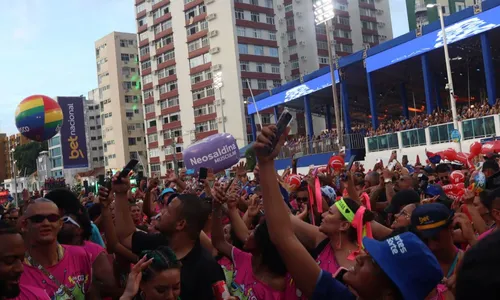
281	126
203	174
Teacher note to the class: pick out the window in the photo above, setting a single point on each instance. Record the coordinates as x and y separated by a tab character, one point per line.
260	68
239	14
257	33
266	118
340	6
291	35
196	27
272	35
204	110
203	93
342	33
261	84
147	79
163	26
195	11
323	60
273	52
141	22
275	69
164	41
172	134
168	87
240	31
146	65
320	29
200	60
258	50
201	76
368	25
160	12
254	2
255	17
245	83
144	50
148	108
148	93
292	49
55	152
268	3
174	101
244	66
270	19
173	117
139	8
206	126
197	44
168	71
154	152
276	83
165	57
347	48
294	64
342	20
243	48
125	57
288	7
290	22
132	141
366	12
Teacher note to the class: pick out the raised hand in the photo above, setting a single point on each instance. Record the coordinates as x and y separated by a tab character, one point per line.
120	185
135	276
254	206
263	144
105	197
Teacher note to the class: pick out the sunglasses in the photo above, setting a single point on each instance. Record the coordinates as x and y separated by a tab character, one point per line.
69	220
302	199
40	218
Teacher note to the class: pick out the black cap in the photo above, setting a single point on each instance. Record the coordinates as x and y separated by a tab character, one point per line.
401	199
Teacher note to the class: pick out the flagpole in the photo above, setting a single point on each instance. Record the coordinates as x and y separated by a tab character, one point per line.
254	104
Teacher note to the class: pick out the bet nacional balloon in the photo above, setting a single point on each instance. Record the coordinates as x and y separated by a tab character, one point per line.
39	118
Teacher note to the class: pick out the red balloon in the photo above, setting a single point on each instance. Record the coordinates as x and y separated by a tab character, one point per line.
293	181
449	154
475	149
336	163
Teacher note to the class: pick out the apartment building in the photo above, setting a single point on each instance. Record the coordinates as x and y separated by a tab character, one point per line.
419	14
188	49
4	157
13	141
120	100
93	128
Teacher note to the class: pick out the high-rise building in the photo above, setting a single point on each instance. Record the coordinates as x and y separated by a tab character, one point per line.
187	49
93	128
13	141
420	14
120	99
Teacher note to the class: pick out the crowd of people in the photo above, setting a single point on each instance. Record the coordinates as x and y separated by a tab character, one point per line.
54	183
386	233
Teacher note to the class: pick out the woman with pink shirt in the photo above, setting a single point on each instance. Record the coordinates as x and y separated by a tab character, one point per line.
259	273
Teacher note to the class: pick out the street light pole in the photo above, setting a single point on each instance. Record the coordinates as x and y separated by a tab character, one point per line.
218	86
331	56
324	14
14	173
453	104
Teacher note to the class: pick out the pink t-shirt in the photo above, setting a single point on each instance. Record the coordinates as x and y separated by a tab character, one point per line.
326	260
247	287
31	293
93	250
486	233
74	271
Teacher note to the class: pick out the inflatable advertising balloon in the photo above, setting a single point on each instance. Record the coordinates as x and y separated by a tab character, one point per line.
335	164
216	152
475	149
39	118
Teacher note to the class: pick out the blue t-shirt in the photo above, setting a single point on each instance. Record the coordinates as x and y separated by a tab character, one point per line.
96	236
328	287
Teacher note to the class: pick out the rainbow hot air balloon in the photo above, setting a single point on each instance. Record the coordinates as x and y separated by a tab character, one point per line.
39	118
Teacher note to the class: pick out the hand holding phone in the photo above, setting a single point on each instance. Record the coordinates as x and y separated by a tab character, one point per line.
283	122
128	168
202	174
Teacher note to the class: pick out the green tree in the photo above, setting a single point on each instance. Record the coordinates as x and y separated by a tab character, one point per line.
26	155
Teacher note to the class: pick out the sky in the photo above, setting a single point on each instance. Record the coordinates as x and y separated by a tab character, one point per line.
48	46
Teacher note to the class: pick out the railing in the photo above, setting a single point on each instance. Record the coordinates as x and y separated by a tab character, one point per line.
413	138
441	133
354	141
383	142
478	128
309	147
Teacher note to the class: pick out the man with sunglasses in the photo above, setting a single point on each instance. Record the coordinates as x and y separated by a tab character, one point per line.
443	174
63	271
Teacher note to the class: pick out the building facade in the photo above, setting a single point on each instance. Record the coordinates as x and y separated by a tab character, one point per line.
4	157
120	99
419	14
13	141
201	59
93	128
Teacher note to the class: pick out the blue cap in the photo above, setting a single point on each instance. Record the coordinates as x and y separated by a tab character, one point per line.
165	191
329	193
407	261
430	219
433	190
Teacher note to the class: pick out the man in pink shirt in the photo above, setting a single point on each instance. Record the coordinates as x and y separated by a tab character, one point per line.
11	266
63	271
